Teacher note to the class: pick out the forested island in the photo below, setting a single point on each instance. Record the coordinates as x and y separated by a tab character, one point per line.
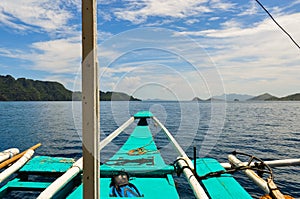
22	89
268	97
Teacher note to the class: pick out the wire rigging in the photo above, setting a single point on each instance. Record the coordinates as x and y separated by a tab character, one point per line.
278	24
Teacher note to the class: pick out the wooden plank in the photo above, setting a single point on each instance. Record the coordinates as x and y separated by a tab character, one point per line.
107	171
143	114
46	164
223	187
129	159
90	101
149	187
17	184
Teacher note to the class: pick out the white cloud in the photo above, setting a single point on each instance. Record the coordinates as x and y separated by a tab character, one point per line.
138	11
63	79
8	21
103	35
230	24
192	21
56	56
251	10
221	4
128	84
105	15
280	81
213	18
105	2
33	15
232	28
110	71
9	53
257	59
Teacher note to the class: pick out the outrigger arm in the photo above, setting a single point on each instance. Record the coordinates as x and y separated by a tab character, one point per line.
183	163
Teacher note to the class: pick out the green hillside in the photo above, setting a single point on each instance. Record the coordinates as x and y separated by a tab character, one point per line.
268	97
294	97
22	89
263	97
116	96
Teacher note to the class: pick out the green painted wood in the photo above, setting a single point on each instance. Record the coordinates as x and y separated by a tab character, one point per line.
223	187
23	185
143	114
46	164
129	159
106	171
149	187
158	184
39	165
17	184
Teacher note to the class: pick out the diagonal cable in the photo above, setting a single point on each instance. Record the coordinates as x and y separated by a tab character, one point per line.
278	24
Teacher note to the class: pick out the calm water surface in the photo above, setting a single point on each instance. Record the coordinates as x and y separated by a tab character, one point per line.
269	130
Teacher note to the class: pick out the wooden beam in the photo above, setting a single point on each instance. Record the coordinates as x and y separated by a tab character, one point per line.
90	101
268	186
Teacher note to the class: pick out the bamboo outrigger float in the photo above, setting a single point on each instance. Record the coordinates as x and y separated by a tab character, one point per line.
9	153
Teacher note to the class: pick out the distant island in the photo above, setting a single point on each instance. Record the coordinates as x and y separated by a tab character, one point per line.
239	97
22	89
268	97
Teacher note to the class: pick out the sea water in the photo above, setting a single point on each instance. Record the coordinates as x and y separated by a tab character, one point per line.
268	130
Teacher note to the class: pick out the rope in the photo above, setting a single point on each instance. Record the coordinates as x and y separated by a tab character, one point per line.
259	168
141	150
267	196
180	170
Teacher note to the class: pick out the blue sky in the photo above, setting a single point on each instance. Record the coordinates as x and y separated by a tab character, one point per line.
175	49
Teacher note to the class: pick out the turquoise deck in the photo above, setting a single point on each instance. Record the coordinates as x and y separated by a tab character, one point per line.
139	164
45	166
223	187
143	114
149	187
148	171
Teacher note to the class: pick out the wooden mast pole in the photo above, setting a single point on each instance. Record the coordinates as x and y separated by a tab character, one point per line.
90	101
